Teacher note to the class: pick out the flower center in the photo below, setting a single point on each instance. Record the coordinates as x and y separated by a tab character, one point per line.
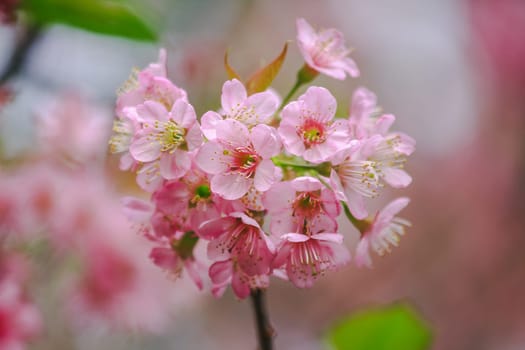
313	132
244	161
170	136
361	176
307	204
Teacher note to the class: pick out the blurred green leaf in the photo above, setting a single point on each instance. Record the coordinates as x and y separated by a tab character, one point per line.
100	16
393	327
262	79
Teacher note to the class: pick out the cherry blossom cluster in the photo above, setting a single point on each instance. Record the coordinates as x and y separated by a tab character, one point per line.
261	182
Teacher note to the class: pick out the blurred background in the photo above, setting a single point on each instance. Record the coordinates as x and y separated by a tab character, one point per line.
453	73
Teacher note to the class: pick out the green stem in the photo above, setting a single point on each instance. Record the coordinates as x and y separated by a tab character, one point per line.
361	225
304	76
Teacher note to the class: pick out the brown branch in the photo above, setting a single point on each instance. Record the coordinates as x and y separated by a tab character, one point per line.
28	37
265	331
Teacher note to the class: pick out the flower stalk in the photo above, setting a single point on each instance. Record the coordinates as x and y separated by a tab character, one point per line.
265	332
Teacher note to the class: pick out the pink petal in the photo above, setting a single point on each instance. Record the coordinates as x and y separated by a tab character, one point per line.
136	210
356	204
331	205
295	237
233	95
213	229
279	197
148	177
232	133
208	123
190	266
165	258
174	165
384	123
265	175
350	67
240	288
397	178
144	149
320	102
265	105
362	253
305	33
221	271
292	142
211	159
265	141
306	184
230	186
329	237
392	209
151	111
194	137
183	114
364	103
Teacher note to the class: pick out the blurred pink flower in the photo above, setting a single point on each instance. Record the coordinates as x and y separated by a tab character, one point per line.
383	232
236	104
19	319
308	130
325	51
71	128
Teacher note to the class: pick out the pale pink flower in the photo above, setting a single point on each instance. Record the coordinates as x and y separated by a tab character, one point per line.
236	104
305	198
20	320
239	237
384	231
354	178
325	51
226	272
240	158
308	130
307	257
167	137
149	84
71	128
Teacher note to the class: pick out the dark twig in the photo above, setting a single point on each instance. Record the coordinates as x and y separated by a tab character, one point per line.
265	331
28	37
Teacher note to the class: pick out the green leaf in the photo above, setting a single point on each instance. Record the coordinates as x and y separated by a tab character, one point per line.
100	16
393	327
262	79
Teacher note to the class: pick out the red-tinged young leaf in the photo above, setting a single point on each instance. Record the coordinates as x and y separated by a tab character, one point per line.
262	79
232	74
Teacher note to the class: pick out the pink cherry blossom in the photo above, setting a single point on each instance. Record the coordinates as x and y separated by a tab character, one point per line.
308	130
167	137
240	238
305	198
226	272
384	232
240	158
307	257
236	104
325	51
150	84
